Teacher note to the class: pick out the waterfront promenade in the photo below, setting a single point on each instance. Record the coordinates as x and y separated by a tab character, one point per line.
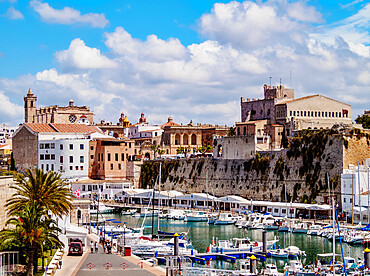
105	264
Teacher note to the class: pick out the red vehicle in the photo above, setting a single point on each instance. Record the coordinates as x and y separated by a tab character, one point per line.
75	248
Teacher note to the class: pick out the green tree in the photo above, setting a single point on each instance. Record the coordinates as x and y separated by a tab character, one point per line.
154	148
30	228
183	150
45	190
231	131
364	120
160	152
205	148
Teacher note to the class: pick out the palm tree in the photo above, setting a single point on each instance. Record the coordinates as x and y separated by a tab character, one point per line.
30	227
45	190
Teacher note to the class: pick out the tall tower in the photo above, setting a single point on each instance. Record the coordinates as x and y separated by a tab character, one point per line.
29	107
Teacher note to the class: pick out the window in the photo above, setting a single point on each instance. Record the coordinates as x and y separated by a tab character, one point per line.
98	156
76	168
350	200
329	114
52	157
305	113
91	156
52	167
47	156
111	166
61	147
83	188
47	146
81	168
71	159
81	159
61	168
293	113
42	166
119	166
276	210
344	200
52	145
103	166
42	157
98	166
81	146
89	187
61	159
108	156
47	167
41	146
71	168
301	113
122	157
129	145
326	114
283	211
315	113
116	157
332	114
71	146
102	157
340	114
91	148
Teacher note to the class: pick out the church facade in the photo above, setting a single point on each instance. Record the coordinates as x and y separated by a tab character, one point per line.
70	114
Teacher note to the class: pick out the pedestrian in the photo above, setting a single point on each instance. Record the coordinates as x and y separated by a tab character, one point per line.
92	246
96	247
60	263
104	247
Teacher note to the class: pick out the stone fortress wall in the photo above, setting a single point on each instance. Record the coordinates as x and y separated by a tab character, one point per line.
301	170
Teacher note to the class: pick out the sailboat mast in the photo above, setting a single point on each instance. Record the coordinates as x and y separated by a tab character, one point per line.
359	190
333	263
159	196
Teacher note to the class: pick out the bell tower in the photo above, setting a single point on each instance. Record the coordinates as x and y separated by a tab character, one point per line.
29	107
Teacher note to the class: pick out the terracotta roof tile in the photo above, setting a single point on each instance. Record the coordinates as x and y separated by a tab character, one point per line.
64	128
40	127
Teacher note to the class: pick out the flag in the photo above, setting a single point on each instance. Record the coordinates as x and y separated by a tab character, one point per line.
77	193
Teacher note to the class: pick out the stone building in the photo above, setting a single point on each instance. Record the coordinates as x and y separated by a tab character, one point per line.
59	147
109	158
188	136
280	107
5	193
118	130
70	114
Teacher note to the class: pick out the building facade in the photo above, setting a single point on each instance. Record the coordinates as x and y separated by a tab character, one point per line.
46	145
109	158
5	193
70	114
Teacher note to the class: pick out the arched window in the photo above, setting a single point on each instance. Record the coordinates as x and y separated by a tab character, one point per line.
185	139
193	139
177	139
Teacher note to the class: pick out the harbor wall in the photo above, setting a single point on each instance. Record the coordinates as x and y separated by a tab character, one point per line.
298	172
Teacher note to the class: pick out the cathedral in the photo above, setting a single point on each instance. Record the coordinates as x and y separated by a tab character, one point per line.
70	114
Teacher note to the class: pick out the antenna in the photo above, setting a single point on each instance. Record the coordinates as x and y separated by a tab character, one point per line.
270	80
280	83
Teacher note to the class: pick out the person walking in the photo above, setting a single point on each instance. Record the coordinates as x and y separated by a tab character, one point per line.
96	247
92	246
104	247
60	263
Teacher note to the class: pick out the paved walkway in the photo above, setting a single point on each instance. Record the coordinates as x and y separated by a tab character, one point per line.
107	264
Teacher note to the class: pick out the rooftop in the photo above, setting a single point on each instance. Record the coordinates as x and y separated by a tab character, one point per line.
62	128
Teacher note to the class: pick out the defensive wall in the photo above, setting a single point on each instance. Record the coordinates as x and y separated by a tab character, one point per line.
299	172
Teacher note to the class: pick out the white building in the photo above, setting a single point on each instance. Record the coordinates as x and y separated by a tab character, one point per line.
6	133
144	130
64	153
355	191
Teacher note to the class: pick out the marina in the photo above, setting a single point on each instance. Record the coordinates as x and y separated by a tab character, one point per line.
202	235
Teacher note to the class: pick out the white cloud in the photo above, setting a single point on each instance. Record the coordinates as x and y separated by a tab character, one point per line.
80	56
204	81
68	15
9	111
14	14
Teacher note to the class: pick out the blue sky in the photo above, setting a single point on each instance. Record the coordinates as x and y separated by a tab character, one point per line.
192	60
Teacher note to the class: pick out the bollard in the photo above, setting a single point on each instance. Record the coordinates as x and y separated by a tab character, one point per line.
222	250
253	264
367	258
251	249
264	240
176	244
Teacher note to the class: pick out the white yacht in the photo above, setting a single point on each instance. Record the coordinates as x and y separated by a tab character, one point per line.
196	216
226	219
314	230
101	208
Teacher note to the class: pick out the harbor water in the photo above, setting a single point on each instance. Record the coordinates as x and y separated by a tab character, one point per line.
202	233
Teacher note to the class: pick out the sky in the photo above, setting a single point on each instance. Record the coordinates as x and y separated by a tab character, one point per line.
188	59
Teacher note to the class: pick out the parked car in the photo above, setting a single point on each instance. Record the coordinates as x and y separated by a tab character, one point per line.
75	248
